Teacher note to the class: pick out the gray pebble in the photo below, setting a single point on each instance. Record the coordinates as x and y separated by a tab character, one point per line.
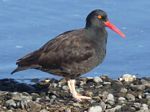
137	105
114	109
145	108
9	111
110	99
38	99
68	110
103	105
77	104
35	95
34	107
51	101
137	87
117	107
95	109
89	78
148	96
44	110
92	101
24	103
25	94
10	103
97	79
121	100
16	96
65	88
19	96
53	97
123	90
130	97
82	83
104	95
54	85
106	83
145	83
148	102
47	98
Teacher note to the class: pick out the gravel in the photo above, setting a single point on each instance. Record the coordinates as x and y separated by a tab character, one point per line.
108	95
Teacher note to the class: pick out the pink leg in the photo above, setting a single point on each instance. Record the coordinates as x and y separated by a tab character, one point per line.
77	96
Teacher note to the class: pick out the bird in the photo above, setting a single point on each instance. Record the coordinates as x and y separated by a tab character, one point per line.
72	53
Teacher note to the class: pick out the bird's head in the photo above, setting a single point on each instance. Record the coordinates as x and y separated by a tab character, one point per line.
98	18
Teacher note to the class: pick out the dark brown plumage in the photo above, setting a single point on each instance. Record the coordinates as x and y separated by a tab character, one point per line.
72	53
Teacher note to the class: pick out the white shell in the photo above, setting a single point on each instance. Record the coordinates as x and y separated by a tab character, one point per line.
128	78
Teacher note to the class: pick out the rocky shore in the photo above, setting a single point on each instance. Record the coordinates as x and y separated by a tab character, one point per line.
51	95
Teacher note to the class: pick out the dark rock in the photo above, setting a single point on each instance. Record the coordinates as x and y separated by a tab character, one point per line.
53	95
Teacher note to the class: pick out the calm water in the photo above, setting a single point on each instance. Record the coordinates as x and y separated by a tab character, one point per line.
26	25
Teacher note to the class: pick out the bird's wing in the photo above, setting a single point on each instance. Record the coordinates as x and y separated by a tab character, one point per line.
60	52
69	47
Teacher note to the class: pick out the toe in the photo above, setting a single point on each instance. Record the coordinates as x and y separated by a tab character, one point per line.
80	97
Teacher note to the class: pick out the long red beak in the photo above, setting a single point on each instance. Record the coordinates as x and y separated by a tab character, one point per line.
114	28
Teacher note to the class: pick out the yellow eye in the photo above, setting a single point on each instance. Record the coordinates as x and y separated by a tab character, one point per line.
99	17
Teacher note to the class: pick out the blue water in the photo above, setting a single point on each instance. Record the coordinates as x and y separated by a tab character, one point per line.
26	25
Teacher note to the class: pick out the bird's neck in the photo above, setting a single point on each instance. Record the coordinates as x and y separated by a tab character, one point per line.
97	35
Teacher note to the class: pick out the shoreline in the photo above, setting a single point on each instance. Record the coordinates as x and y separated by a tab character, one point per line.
52	95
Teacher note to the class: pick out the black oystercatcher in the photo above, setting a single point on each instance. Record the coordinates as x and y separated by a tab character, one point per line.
74	52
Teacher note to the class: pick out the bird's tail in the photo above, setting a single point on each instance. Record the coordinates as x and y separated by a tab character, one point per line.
19	69
29	61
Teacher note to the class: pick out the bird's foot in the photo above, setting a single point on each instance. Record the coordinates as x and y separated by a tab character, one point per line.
79	97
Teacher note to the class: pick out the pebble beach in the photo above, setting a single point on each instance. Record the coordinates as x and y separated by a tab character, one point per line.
52	95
